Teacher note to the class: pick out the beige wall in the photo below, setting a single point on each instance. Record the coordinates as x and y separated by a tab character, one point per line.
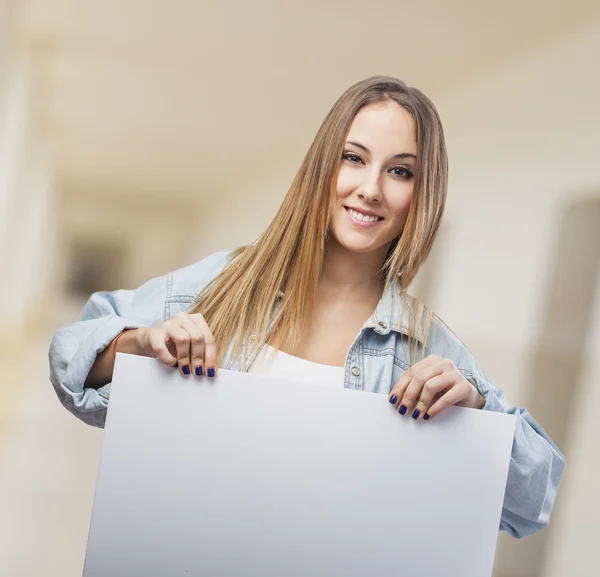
7	39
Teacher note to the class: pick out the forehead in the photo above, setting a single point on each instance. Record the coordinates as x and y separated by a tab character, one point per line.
385	125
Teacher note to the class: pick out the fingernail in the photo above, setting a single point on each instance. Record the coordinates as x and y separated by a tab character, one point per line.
211	372
175	365
185	369
393	399
426	416
199	371
402	410
416	414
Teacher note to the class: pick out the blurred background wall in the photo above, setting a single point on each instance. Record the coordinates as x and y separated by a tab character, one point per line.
138	137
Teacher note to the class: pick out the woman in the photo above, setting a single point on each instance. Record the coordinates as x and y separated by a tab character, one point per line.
323	292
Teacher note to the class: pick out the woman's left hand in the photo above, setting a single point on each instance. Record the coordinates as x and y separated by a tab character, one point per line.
431	385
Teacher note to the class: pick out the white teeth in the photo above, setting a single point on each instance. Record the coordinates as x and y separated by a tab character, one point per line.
363	217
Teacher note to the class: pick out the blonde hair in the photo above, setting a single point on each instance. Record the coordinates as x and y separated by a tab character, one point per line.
288	256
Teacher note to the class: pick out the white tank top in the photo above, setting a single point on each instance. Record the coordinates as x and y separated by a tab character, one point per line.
275	363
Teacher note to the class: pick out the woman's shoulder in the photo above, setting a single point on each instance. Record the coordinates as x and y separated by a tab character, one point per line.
189	281
445	343
439	338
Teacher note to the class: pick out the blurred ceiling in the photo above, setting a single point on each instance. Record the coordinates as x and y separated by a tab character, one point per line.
194	98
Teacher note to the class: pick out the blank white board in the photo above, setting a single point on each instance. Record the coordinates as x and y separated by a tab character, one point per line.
244	475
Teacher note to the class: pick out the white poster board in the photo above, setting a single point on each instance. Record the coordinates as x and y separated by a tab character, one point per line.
249	476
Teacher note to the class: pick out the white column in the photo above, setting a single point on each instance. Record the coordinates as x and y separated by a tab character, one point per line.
27	223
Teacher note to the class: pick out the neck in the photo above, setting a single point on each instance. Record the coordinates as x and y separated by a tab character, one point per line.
349	273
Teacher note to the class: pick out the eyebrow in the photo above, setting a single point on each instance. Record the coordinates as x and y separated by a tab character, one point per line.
363	147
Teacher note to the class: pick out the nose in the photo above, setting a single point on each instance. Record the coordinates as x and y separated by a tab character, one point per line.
370	189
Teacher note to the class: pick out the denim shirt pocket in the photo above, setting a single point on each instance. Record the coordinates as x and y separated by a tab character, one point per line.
178	304
384	361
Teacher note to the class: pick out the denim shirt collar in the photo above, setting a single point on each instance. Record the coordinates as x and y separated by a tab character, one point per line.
392	312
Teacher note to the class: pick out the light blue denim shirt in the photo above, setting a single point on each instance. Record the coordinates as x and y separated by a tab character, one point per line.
375	361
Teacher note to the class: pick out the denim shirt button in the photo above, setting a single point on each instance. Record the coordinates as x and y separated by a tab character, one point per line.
355	371
382	325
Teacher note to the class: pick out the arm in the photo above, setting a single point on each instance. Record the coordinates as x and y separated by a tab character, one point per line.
82	386
536	464
536	467
101	372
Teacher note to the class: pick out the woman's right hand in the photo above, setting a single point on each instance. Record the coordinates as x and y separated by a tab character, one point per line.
185	341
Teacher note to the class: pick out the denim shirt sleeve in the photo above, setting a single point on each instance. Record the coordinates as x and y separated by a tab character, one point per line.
74	347
536	464
535	470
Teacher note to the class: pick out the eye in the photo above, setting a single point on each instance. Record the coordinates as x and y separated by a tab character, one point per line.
402	172
352	157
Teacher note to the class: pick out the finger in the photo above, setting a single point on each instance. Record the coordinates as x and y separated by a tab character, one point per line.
399	388
210	347
181	339
415	387
196	345
430	392
158	344
451	397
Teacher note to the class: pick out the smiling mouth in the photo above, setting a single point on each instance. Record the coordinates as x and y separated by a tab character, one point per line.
360	217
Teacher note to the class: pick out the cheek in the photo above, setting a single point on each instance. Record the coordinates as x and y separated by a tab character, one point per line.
346	182
401	205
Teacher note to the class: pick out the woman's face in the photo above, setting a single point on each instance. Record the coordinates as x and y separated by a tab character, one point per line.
376	178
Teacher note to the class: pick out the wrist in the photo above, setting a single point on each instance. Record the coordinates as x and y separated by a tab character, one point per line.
477	399
130	341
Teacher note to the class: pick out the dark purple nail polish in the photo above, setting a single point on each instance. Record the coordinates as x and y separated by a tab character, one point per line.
211	372
175	365
402	410
416	414
185	369
199	371
426	416
393	399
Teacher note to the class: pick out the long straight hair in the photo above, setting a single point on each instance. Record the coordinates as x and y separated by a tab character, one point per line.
288	256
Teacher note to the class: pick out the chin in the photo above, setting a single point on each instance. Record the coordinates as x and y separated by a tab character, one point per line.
357	245
359	248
